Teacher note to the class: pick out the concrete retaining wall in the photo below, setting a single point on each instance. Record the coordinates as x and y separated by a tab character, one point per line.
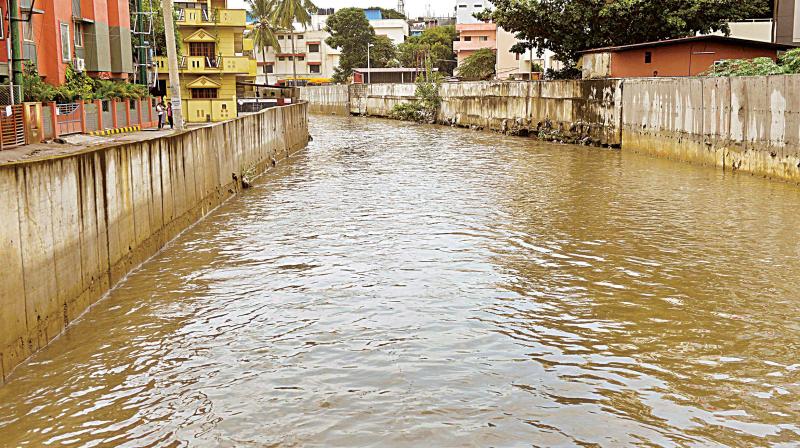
332	99
562	110
72	226
750	124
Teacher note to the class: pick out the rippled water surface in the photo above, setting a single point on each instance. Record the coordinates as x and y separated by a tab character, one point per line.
404	285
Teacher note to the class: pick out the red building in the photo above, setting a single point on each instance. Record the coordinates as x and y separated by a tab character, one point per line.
689	56
92	35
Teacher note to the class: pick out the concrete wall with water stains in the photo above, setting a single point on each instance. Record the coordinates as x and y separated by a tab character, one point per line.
333	99
586	111
72	226
749	124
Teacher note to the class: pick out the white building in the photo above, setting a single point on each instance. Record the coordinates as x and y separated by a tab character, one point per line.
315	60
465	9
395	29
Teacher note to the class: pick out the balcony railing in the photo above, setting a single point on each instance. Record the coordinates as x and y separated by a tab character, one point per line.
203	17
219	64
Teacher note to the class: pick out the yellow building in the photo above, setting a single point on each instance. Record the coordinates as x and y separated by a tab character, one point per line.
214	56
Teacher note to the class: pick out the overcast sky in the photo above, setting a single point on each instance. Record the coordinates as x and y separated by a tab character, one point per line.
414	8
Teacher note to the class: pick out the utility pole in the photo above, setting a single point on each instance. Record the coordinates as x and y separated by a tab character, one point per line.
16	49
369	70
172	63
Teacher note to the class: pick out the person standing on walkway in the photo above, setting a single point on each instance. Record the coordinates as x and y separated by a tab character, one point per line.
160	110
169	115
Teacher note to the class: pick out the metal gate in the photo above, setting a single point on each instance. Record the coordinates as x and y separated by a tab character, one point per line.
69	118
12	127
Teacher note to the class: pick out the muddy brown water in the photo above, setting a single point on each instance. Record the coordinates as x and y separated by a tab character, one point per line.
405	285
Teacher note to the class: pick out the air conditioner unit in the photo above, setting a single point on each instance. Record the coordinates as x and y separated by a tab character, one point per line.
79	64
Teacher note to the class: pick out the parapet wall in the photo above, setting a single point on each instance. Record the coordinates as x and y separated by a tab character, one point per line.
749	124
72	226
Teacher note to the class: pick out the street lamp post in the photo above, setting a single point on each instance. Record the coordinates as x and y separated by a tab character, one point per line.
369	71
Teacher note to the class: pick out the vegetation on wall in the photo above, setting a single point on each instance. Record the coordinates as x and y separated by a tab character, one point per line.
435	43
478	66
567	27
77	86
788	64
351	32
425	107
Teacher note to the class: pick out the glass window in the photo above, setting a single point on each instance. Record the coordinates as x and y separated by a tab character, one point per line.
648	57
281	58
204	93
268	68
483	38
78	34
206	49
301	58
313	68
66	51
280	36
299	37
467	38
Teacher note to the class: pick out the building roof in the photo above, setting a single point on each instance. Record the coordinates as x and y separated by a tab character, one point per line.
391	70
707	38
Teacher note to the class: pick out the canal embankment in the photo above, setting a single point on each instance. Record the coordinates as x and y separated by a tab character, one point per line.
747	124
73	225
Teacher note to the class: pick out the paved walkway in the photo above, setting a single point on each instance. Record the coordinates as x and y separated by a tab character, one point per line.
76	143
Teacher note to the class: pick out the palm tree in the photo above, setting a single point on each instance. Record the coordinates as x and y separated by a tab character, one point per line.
263	28
286	13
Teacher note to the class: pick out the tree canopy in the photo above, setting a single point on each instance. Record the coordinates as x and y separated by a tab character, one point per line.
569	26
478	66
351	32
436	43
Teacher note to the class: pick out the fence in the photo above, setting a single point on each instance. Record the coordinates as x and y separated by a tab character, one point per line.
97	115
12	127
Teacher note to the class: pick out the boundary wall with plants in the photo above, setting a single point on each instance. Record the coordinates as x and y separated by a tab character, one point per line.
73	225
748	124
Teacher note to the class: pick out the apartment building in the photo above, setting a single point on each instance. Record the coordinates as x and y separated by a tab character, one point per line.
92	35
395	29
315	60
465	10
473	37
527	65
216	56
787	22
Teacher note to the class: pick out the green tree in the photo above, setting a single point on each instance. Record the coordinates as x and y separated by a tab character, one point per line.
351	32
569	26
286	13
436	43
478	66
263	33
383	53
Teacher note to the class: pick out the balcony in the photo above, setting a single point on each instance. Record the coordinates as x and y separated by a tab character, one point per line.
473	45
204	17
205	65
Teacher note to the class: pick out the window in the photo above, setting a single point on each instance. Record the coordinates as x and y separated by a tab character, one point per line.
268	68
280	36
467	38
281	58
478	6
299	37
66	51
648	57
313	48
301	58
2	25
78	34
204	93
483	38
462	6
313	69
27	30
205	49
